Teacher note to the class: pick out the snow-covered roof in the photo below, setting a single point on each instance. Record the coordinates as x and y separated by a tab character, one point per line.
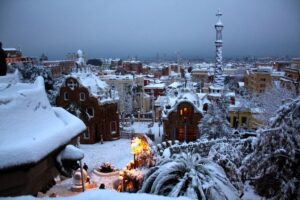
91	81
278	74
175	84
155	86
161	101
10	49
185	95
96	86
117	77
30	128
241	84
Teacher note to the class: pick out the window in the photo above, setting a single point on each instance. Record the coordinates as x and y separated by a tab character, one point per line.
263	79
90	112
113	127
86	134
232	100
185	111
66	96
81	96
244	120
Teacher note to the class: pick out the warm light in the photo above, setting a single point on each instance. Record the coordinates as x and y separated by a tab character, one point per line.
138	146
121	173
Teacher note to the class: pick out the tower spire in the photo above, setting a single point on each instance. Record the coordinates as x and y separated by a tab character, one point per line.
218	83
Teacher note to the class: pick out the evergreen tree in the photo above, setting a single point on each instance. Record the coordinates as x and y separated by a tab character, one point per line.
214	124
274	166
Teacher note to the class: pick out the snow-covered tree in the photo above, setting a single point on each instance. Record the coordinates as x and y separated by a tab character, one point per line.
188	174
214	124
274	166
229	158
271	100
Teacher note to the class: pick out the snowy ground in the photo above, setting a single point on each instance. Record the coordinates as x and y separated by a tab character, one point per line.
249	193
107	195
118	153
143	128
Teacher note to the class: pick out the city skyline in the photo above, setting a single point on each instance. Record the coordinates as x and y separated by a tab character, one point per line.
147	29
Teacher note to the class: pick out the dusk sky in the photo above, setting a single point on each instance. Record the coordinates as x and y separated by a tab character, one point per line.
143	28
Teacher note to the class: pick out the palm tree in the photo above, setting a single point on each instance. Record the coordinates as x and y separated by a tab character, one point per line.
190	175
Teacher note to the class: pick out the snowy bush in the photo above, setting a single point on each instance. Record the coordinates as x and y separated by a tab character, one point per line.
229	158
188	174
274	166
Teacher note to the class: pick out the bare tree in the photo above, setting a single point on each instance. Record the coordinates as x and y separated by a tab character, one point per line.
271	100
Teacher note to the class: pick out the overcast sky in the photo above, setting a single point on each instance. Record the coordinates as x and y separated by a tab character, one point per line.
143	28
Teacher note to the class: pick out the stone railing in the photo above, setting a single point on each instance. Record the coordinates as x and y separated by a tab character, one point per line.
199	146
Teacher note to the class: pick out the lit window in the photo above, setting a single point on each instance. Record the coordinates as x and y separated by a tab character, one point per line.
90	112
66	96
81	96
181	112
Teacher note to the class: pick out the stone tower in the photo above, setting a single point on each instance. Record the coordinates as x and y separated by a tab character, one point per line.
216	89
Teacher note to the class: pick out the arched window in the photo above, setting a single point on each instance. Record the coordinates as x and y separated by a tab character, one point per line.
205	107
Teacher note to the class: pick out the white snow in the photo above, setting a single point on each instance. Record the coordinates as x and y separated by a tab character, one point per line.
30	128
10	78
107	195
72	153
143	128
249	193
117	152
155	86
175	85
91	81
98	88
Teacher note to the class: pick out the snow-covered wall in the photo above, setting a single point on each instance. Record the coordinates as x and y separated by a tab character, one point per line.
30	128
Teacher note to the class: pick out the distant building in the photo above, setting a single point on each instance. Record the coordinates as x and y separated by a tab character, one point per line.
133	66
32	135
59	67
93	101
258	79
241	114
281	65
203	75
13	55
155	89
291	79
130	89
